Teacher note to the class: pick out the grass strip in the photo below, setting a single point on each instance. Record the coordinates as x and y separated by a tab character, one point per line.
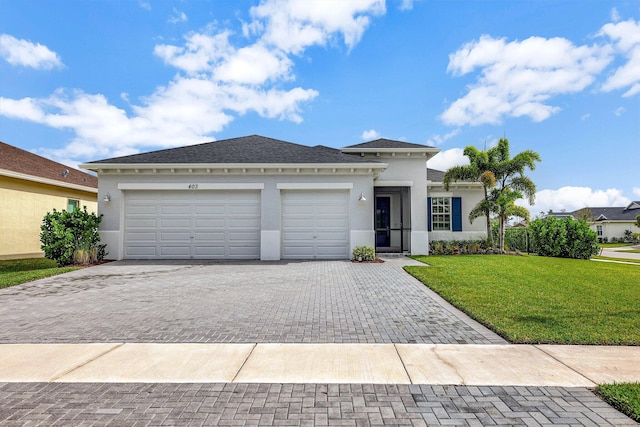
15	272
609	258
625	397
541	300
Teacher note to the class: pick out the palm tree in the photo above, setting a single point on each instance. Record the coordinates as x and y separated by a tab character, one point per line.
478	169
511	183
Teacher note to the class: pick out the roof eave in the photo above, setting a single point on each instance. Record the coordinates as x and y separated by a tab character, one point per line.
191	166
38	179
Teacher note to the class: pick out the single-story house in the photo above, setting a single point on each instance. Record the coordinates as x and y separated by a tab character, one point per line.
608	222
30	187
260	198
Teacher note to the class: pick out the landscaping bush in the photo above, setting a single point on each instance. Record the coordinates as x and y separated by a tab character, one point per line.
460	247
564	238
517	239
69	237
364	253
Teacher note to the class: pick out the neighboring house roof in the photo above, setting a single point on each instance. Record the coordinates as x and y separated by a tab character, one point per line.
254	149
621	213
18	163
387	143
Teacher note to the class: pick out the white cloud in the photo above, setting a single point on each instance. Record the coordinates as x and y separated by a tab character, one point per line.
145	5
636	191
585	117
517	78
440	139
178	16
619	111
24	53
370	134
406	4
574	198
448	158
292	25
626	38
615	15
216	81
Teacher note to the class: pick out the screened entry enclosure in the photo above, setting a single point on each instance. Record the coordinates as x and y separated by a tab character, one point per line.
392	219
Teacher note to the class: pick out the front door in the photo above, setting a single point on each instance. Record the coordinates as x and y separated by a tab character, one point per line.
383	221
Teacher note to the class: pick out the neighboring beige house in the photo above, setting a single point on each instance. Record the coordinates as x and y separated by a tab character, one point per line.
260	198
31	186
609	222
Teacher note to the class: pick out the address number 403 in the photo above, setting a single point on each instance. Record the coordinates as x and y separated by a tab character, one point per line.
193	186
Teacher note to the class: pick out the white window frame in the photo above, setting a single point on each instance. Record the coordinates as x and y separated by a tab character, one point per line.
599	231
441	214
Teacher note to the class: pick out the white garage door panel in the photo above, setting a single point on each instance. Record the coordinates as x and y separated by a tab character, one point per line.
315	224
192	224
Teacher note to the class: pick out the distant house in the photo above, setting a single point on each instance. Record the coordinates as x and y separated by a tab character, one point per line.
609	222
31	186
255	197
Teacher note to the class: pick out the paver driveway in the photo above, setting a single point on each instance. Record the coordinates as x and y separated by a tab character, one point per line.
277	302
331	302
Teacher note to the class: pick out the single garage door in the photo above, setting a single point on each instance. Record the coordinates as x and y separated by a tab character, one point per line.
315	225
192	224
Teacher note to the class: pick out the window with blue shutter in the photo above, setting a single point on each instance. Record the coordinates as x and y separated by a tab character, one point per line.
456	214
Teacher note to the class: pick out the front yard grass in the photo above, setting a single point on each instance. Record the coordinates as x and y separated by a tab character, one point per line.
614	245
530	299
625	397
609	258
15	272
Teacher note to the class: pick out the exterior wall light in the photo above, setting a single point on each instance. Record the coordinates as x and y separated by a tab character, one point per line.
107	198
362	198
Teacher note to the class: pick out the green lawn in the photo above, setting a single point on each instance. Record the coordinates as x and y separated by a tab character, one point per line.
609	258
530	299
625	397
14	272
614	245
631	251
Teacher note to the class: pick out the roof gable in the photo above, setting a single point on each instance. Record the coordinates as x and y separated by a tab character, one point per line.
23	162
254	149
388	143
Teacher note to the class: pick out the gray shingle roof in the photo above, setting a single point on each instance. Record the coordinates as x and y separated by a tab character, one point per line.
605	213
435	175
247	149
388	143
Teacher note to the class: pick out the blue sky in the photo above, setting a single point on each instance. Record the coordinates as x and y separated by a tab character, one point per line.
86	80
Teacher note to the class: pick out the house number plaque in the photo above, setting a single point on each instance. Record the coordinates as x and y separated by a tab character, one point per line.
193	186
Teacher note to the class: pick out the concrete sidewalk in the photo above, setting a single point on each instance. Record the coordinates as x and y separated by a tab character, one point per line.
450	364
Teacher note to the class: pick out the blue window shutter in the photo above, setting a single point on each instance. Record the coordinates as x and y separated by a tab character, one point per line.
428	213
456	213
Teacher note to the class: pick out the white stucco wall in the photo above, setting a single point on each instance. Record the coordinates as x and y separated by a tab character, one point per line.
615	229
470	231
360	213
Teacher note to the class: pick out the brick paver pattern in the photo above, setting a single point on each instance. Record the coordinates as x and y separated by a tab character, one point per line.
279	302
300	405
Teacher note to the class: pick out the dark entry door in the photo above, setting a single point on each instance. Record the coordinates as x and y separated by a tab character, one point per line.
383	221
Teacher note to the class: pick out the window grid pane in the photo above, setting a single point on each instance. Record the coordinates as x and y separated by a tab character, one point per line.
441	213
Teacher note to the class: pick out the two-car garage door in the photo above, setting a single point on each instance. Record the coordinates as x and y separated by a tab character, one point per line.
216	224
192	224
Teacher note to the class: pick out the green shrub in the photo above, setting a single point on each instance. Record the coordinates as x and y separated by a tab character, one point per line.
459	247
69	237
563	237
364	253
